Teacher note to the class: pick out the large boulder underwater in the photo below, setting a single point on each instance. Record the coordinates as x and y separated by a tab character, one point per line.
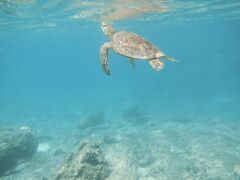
16	145
88	163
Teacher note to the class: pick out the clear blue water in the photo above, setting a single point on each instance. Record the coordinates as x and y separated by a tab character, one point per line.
51	80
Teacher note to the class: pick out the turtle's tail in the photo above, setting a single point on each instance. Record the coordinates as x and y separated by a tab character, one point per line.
169	58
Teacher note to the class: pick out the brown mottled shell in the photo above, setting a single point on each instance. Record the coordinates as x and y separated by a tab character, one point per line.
134	46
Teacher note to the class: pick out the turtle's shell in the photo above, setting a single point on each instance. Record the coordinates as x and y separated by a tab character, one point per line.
134	46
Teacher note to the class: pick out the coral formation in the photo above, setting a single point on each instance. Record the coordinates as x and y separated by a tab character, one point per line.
135	115
15	145
88	163
92	121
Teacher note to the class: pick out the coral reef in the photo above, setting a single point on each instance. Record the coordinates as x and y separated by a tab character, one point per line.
135	115
88	163
15	145
92	120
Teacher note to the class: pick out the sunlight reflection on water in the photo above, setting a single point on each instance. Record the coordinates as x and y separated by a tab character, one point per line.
41	15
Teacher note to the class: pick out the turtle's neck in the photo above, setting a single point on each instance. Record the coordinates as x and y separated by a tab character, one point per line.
111	33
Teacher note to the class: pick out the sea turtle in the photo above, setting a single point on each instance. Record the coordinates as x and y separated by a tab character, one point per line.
132	46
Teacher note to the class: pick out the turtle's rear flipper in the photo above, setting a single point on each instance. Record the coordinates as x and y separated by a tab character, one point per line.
156	64
132	63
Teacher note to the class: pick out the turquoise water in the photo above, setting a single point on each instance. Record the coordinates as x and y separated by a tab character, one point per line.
180	123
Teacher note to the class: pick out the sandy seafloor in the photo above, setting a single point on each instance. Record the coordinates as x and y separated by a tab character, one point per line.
139	142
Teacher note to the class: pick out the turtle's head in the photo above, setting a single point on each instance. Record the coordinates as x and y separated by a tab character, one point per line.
107	29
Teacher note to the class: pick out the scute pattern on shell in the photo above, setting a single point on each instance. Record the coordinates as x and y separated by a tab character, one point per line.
134	46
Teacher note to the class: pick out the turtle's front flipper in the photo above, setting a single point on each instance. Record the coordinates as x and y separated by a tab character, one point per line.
156	64
104	57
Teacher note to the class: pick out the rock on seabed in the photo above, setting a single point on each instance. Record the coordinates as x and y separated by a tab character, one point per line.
88	163
15	145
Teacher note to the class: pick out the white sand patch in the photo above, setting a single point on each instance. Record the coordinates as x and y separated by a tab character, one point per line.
43	147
